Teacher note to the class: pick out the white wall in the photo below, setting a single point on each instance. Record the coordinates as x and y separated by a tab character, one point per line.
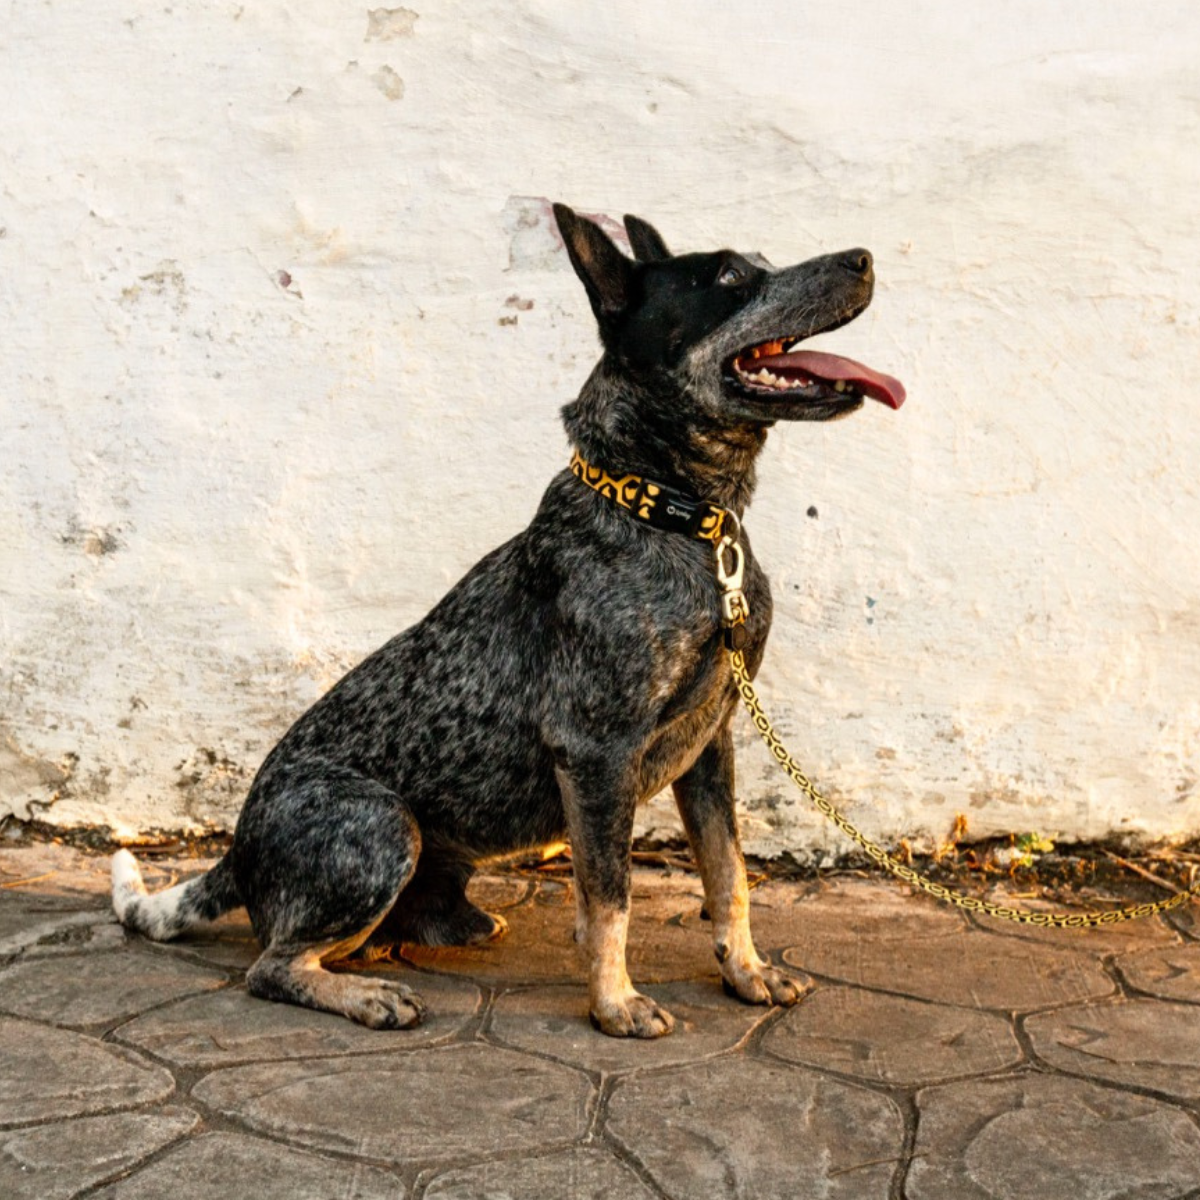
276	279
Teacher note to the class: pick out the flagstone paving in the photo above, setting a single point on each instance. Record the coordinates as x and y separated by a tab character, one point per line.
939	1057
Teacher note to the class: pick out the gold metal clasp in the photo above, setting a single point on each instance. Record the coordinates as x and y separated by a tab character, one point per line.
731	572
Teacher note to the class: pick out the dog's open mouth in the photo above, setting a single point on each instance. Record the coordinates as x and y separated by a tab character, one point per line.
769	371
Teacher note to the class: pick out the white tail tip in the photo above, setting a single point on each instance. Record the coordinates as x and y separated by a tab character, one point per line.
127	882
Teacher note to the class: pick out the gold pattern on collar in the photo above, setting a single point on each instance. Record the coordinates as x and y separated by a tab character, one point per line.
643	496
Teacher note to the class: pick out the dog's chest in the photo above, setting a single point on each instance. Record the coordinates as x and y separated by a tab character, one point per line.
677	742
692	683
698	700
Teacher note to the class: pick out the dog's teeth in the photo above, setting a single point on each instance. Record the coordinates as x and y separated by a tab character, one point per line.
840	386
765	378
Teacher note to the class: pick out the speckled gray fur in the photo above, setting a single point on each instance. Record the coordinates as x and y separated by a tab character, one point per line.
581	659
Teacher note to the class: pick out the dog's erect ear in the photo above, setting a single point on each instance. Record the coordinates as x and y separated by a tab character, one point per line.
606	273
646	241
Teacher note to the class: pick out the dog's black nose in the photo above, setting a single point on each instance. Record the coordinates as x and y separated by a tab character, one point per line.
857	262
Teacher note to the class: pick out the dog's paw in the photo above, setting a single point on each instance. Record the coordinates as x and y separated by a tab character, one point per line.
464	925
768	986
385	1004
633	1015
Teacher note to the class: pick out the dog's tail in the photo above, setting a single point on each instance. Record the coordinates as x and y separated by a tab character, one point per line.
167	914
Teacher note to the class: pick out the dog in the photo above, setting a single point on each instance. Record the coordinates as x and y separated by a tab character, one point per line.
573	673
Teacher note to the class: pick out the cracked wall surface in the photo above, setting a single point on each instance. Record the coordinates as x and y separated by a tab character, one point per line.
287	328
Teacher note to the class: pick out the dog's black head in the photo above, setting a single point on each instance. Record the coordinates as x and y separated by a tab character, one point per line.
717	328
699	355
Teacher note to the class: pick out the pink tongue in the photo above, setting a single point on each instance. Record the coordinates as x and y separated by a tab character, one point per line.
832	367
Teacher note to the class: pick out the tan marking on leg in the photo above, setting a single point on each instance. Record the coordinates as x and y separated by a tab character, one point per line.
376	1003
616	1008
299	977
727	896
728	900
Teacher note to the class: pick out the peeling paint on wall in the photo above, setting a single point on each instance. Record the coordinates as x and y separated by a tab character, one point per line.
384	24
388	82
276	280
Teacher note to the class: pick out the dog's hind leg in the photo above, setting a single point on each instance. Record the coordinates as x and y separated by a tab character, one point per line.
704	795
320	858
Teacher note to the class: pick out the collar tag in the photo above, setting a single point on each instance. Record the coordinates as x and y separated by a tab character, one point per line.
677	513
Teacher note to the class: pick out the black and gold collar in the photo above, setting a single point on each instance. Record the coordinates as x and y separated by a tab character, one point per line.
657	504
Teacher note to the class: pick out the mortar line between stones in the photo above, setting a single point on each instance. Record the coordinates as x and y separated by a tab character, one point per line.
428	1174
103	1031
1192	1112
115	1109
910	1114
836	981
1175	921
141	1164
109	1038
217	1120
182	951
1131	991
214	1121
425	1173
201	1070
1036	1065
207	1127
471	1030
15	947
1190	1107
893	1091
622	1073
623	1154
1134	993
487	1037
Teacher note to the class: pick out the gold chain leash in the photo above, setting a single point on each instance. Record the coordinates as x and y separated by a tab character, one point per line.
1058	920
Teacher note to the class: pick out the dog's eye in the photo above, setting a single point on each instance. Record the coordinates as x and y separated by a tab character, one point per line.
731	275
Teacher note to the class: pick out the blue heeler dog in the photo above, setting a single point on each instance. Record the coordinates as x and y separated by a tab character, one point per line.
572	674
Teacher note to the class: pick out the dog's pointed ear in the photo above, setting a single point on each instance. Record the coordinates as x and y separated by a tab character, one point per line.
606	273
646	241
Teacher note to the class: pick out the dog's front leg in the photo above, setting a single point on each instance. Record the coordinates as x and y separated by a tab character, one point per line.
599	811
706	803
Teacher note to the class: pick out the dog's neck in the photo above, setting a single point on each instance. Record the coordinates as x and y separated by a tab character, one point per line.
614	427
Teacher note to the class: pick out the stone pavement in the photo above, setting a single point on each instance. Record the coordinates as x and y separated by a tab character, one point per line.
937	1059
